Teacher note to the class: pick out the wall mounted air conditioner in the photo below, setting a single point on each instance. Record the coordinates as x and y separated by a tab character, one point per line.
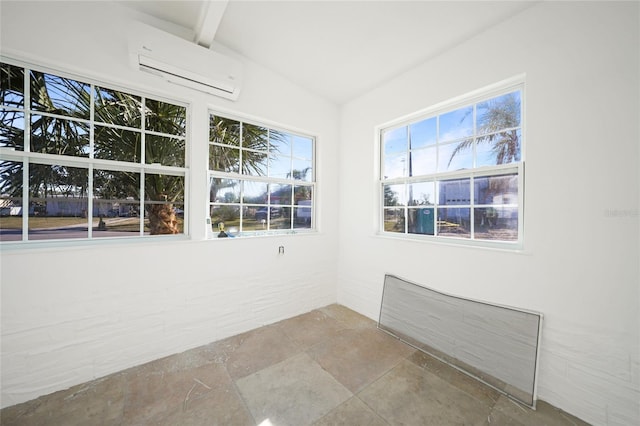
185	63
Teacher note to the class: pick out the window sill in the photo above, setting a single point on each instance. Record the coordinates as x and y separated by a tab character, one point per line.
505	247
8	246
263	234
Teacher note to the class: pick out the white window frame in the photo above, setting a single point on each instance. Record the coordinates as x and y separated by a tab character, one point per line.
265	179
26	157
516	83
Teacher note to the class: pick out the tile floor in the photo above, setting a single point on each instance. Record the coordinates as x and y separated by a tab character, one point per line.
330	366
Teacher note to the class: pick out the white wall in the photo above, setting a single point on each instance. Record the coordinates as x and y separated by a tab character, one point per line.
580	265
73	312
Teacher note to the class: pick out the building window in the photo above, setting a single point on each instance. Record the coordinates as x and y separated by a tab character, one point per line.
456	173
261	179
80	160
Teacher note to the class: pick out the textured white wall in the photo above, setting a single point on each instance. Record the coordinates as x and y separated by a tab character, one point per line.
71	313
580	266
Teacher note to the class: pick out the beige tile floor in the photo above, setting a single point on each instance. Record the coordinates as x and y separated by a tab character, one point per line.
330	366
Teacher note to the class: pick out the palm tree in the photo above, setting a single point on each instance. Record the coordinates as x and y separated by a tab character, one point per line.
498	120
228	137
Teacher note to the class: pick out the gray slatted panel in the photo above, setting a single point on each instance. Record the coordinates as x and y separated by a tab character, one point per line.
498	345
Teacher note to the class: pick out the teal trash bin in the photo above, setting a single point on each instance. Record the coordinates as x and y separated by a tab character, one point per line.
425	221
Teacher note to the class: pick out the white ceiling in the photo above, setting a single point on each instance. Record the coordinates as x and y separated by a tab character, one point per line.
336	49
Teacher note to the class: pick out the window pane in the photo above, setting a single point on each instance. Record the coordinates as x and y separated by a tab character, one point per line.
456	124
423	161
11	86
279	143
280	194
394	195
165	151
394	220
303	200
303	147
421	221
280	218
118	108
52	135
277	217
58	202
423	133
59	95
254	163
395	166
499	113
161	193
254	192
12	129
280	167
254	218
498	148
454	222
421	194
454	192
116	203
395	140
228	215
224	190
303	219
117	144
497	189
302	170
224	159
496	223
255	137
10	201
165	118
455	156
224	131
302	195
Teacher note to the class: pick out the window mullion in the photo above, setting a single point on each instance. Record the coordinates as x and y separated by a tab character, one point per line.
25	199
141	203
27	148
241	150
472	193
143	139
90	200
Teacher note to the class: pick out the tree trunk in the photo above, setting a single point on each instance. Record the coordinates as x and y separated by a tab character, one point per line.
162	219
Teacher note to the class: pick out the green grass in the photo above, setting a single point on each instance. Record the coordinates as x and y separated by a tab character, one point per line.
15	222
42	222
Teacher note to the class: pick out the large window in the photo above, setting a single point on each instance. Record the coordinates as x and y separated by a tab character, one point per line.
261	180
80	160
456	173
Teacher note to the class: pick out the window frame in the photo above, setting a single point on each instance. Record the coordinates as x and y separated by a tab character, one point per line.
90	163
517	168
242	177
